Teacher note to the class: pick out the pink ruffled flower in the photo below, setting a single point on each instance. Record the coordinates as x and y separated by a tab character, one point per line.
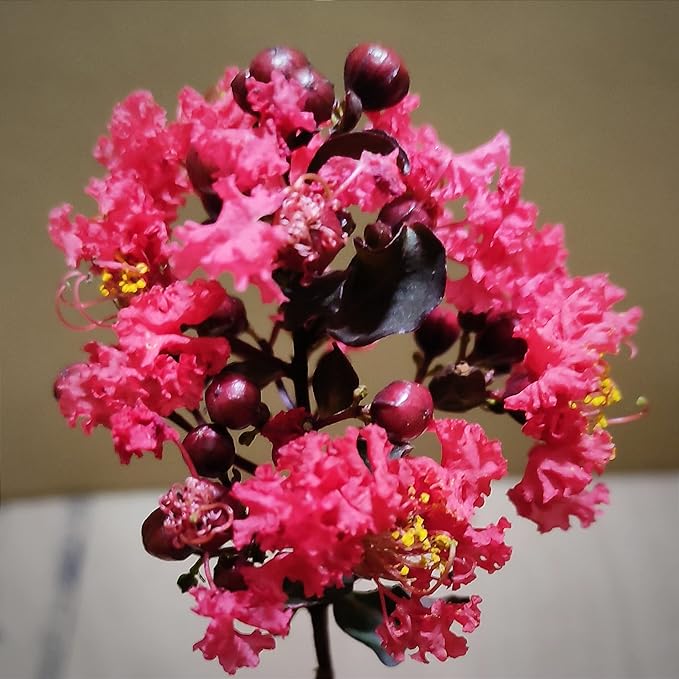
153	324
112	391
281	102
327	511
259	607
312	230
239	242
226	141
412	626
141	142
197	514
369	182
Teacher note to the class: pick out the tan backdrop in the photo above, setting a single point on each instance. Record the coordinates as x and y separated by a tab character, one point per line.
589	93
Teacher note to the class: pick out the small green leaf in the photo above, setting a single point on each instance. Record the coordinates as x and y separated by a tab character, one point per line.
359	614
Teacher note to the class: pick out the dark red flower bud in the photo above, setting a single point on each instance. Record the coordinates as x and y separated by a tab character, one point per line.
378	235
233	401
405	210
471	322
280	58
211	450
320	92
228	578
496	347
351	112
229	320
240	91
377	75
201	178
437	332
157	542
403	409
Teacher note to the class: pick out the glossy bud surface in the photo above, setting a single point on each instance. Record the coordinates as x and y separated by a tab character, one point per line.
211	450
403	409
377	75
233	401
437	332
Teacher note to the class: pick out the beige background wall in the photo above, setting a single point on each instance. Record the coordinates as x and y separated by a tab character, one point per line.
589	93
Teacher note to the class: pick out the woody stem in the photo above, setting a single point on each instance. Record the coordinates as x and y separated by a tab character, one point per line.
319	620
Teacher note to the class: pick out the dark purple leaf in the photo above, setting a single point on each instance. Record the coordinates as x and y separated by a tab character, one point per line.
334	382
390	290
352	145
458	388
359	614
261	370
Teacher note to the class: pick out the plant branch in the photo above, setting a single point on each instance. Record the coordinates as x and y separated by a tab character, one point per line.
245	464
300	369
180	421
319	620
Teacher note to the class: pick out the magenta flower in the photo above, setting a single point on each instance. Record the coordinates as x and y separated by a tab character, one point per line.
286	180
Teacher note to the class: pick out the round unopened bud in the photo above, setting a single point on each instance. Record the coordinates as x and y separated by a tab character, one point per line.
471	322
240	91
229	320
320	92
405	210
227	576
280	58
211	449
403	409
378	235
377	75
157	542
496	347
437	332
200	175
233	401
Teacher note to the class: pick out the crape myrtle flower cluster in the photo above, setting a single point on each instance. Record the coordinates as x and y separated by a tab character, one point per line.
285	172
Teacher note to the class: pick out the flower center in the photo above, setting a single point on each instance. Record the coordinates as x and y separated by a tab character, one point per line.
127	280
416	557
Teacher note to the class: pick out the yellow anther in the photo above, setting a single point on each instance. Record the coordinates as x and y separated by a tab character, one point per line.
395	534
443	541
408	538
424	498
404	570
426	544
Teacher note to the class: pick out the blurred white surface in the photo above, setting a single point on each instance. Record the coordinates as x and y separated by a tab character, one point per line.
80	599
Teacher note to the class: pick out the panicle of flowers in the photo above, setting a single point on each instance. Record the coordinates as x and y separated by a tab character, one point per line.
285	176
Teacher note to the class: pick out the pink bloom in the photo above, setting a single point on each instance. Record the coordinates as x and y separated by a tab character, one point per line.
225	638
369	182
153	323
141	142
197	514
281	101
239	242
312	230
412	626
117	390
334	514
226	142
556	482
471	458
